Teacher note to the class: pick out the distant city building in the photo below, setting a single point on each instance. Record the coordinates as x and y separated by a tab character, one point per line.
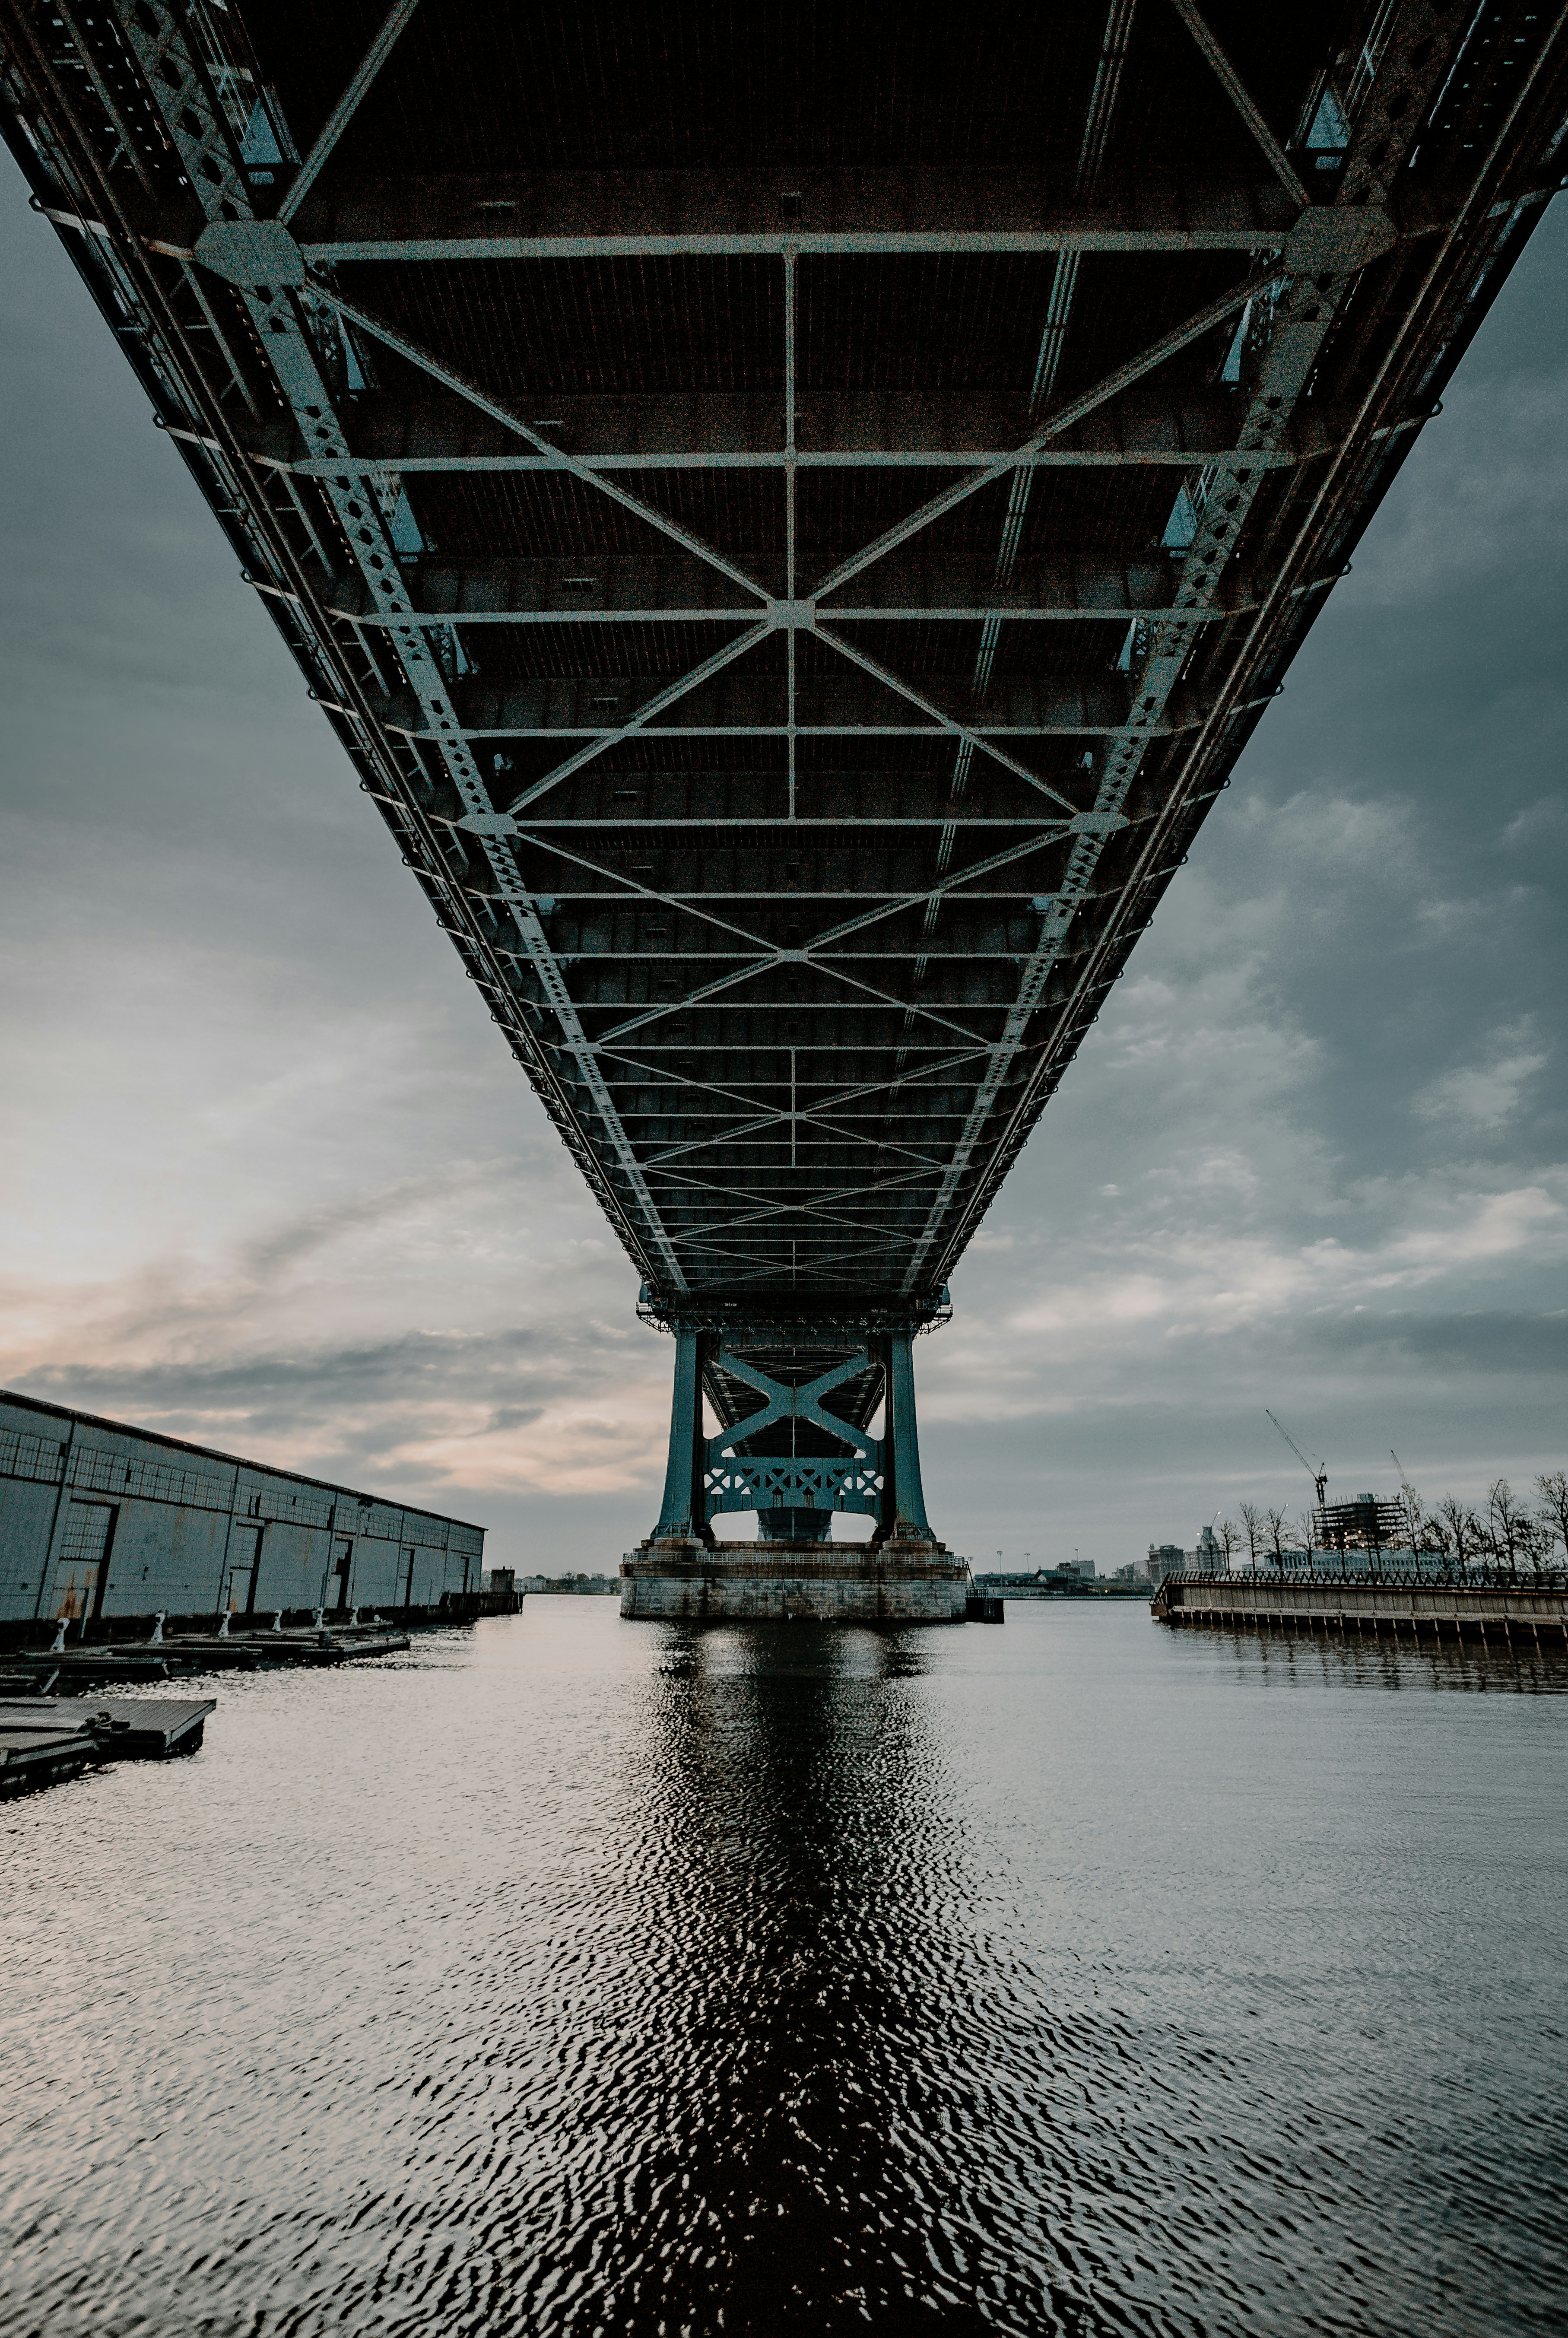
1084	1568
1207	1556
1166	1559
1363	1524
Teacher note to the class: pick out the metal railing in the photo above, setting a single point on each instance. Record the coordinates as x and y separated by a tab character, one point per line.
1467	1578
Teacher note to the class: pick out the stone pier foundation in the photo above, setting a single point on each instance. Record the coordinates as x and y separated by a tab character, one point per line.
905	1580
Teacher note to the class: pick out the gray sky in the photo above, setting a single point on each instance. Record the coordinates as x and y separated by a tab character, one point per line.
271	1180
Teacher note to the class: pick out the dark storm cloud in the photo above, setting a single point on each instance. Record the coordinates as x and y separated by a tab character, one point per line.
1487	1340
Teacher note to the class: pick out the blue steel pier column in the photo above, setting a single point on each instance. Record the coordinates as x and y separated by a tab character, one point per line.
682	1512
794	1395
906	1505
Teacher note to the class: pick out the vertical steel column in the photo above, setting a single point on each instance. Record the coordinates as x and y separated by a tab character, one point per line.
683	1509
905	1511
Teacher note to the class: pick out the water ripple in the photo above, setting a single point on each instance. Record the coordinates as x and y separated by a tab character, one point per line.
574	1977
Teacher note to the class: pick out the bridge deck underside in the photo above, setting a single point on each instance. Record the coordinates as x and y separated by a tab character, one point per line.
794	521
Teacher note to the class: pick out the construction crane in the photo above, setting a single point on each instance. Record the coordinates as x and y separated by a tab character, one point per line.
1319	1475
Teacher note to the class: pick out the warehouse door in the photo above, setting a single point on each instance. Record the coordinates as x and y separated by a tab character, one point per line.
244	1556
342	1567
82	1565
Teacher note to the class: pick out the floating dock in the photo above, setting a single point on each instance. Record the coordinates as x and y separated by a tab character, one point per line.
44	1739
1508	1614
82	1664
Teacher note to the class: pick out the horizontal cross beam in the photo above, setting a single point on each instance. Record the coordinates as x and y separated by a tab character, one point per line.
765	214
711	430
608	589
568	706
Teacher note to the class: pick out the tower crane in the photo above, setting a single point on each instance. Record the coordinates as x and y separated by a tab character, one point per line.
1319	1475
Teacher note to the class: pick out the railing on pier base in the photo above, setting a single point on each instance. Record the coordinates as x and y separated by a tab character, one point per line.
1482	1605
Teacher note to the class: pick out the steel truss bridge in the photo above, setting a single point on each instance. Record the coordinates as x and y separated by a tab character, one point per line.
793	517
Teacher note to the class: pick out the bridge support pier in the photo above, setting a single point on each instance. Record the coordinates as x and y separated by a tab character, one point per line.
682	1512
795	1399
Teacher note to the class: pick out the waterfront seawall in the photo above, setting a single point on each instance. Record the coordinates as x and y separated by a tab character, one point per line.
1536	1612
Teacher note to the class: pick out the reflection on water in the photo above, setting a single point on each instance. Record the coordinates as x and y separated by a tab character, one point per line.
1524	1668
576	1976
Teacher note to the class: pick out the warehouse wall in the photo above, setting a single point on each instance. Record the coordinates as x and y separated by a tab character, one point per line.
100	1520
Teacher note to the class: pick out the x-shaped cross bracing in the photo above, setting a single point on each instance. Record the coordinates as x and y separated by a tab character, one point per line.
792	614
772	955
786	1404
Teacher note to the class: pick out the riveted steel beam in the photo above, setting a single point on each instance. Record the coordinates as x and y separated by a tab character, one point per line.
556	458
619	588
259	258
605	708
1202	321
1302	308
821	1041
716	430
347	105
708	214
1236	90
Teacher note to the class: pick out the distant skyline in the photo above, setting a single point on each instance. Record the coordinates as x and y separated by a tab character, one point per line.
272	1182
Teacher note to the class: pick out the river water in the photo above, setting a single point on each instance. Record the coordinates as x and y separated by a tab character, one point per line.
574	1976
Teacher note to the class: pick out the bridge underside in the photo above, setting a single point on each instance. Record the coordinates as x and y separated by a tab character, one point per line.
792	521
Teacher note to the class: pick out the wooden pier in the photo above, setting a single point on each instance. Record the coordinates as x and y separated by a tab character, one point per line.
1506	1613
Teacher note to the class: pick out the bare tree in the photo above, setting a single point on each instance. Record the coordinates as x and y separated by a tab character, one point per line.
1464	1533
1227	1535
1252	1527
1274	1526
1410	1507
1307	1527
1535	1541
1552	1489
1504	1519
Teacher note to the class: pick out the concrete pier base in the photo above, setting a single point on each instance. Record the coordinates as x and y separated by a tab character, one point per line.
905	1580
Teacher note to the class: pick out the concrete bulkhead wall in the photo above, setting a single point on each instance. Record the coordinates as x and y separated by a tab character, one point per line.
100	1518
1363	1604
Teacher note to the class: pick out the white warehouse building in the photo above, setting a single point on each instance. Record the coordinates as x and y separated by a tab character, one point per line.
100	1521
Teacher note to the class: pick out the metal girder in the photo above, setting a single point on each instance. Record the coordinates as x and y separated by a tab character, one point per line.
620	587
1196	327
1230	81
557	459
255	257
1303	308
55	154
797	1402
568	706
818	1483
716	430
715	887
347	105
706	214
